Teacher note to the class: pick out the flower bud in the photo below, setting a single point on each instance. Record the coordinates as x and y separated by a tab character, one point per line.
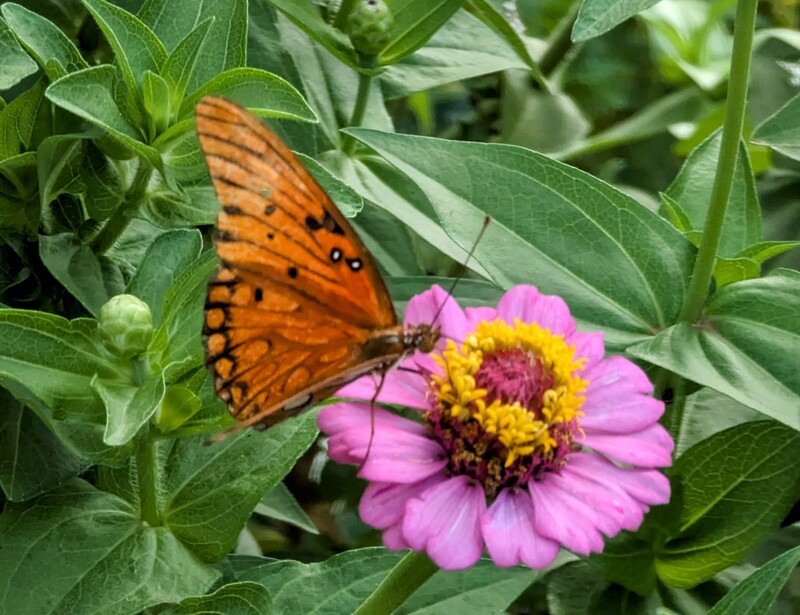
126	325
370	26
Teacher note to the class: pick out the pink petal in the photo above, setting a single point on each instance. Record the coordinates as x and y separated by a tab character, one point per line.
395	455
614	509
393	538
344	416
529	305
564	519
589	346
383	504
648	448
476	315
445	522
436	307
405	387
650	487
507	528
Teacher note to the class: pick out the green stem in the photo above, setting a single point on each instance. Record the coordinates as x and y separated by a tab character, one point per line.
559	42
402	581
700	281
362	98
343	14
119	220
148	478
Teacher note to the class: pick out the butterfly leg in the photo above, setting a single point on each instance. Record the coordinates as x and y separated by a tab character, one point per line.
383	370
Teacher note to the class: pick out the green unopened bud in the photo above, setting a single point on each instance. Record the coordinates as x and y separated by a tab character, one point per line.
370	26
126	325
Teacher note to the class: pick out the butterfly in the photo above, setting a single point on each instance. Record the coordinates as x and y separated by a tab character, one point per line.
297	307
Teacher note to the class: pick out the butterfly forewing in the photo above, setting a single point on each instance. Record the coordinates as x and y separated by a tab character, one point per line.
298	307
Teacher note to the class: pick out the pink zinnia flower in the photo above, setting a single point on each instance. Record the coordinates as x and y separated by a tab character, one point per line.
529	439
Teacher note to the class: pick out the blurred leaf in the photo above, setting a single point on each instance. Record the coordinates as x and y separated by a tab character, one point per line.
88	94
136	48
692	190
232	599
213	489
44	41
415	21
756	595
32	460
166	258
597	17
740	347
736	488
541	211
128	407
493	15
280	504
156	99
781	131
90	278
83	538
681	106
226	43
16	63
462	48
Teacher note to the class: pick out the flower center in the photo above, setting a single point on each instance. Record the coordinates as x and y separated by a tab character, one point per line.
507	407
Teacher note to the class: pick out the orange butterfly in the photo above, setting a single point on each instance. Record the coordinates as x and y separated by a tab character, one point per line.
297	308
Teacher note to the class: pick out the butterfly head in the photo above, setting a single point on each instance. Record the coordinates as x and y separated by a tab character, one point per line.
421	337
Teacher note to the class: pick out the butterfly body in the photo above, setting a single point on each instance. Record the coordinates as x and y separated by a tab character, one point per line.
298	307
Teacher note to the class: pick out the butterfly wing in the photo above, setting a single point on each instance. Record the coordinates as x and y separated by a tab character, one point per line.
298	296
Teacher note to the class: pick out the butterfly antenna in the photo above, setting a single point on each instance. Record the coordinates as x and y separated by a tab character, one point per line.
471	252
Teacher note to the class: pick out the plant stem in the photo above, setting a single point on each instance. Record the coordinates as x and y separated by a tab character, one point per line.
148	475
726	165
119	220
362	98
559	42
402	581
343	14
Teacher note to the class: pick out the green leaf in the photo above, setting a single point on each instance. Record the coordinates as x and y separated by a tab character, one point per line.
597	17
213	489
305	15
136	48
741	347
736	488
245	598
764	250
781	131
347	200
180	65
280	504
83	538
192	206
681	106
467	292
463	47
543	215
32	460
341	583
88	94
16	63
415	21
44	41
756	595
156	98
730	270
59	166
226	45
101	178
165	259
90	278
263	93
178	406
490	13
182	314
692	190
675	214
18	122
128	407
